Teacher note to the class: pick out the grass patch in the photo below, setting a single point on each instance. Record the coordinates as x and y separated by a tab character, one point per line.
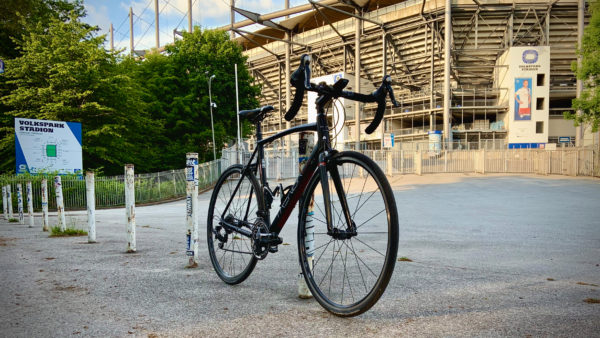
587	284
404	259
13	220
550	279
55	231
592	300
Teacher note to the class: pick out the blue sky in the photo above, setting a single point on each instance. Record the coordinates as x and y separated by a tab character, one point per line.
205	13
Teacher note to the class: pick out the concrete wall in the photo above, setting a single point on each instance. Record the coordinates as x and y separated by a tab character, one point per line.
526	63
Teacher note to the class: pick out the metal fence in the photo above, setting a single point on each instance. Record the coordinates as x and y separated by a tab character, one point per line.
110	190
281	165
567	161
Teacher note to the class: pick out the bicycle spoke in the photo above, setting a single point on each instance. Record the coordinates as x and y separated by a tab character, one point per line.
359	269
363	223
365	264
370	247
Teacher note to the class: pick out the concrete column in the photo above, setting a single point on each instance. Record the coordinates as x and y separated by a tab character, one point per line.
580	21
417	163
44	205
4	201
447	65
357	26
20	203
9	202
389	163
29	204
191	171
511	19
432	82
547	27
60	206
91	206
383	55
130	207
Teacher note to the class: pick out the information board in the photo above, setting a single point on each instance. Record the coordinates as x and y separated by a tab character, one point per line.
47	146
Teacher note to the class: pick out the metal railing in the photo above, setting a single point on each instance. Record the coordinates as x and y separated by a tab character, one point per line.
281	165
110	190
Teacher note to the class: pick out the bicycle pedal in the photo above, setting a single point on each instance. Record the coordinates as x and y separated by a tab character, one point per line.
273	249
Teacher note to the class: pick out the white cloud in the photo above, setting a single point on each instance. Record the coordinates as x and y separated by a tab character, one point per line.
97	16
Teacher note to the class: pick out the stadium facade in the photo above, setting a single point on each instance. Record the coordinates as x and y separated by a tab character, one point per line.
474	74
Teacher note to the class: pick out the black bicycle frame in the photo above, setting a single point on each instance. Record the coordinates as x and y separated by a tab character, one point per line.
316	161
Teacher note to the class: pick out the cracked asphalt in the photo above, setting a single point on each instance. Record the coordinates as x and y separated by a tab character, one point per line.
491	256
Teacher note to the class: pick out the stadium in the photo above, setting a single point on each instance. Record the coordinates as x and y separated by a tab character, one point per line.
468	74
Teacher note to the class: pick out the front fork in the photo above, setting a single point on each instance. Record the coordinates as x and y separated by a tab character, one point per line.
336	233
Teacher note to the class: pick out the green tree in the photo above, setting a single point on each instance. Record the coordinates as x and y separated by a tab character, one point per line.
65	74
589	73
13	27
176	93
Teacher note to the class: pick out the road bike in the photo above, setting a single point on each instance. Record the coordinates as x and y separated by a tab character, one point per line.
347	221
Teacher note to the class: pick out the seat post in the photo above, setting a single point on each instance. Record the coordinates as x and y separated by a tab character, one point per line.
261	155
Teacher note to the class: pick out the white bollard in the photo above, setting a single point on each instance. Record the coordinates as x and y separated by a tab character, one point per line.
9	203
191	189
44	205
306	145
130	207
60	206
91	206
30	204
4	201
20	203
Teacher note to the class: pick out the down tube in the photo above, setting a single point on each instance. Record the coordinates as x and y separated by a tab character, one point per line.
294	195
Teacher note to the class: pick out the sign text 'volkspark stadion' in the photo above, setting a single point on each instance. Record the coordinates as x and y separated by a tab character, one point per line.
47	146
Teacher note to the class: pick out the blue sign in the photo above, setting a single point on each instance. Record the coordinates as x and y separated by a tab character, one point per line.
48	146
392	135
530	56
1	66
526	145
564	139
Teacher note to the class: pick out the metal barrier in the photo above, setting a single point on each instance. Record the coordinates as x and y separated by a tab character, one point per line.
281	165
110	190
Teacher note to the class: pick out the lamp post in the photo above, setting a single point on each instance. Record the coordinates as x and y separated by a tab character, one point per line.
211	115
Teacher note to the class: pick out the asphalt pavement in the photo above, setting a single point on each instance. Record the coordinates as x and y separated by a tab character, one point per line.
491	256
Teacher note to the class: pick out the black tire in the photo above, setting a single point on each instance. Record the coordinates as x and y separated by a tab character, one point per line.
233	267
359	268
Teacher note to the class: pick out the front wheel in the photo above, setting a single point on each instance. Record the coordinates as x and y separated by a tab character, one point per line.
347	276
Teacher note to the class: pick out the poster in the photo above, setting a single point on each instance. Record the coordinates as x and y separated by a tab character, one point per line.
47	146
523	98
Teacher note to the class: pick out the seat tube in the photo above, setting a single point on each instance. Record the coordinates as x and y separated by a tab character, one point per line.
261	156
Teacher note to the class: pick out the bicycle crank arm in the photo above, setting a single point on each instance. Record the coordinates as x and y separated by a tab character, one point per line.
230	227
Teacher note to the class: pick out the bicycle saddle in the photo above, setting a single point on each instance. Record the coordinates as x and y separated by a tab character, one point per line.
256	115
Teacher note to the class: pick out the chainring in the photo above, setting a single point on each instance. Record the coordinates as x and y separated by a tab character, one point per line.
260	251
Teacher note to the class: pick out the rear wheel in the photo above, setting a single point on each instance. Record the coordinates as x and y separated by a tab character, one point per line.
230	252
348	275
